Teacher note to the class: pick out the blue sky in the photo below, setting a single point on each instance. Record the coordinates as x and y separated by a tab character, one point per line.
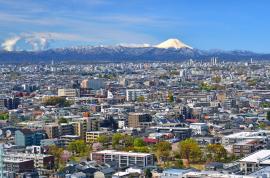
203	24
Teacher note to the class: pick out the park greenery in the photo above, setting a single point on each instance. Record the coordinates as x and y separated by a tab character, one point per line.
4	116
79	148
186	153
170	97
62	120
188	150
265	104
207	87
141	99
57	101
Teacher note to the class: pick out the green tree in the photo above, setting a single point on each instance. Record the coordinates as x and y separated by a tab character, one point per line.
262	125
4	116
121	141
265	104
190	150
138	142
206	86
148	173
128	140
104	140
143	149
62	120
56	152
170	97
216	152
178	164
141	99
163	151
252	82
268	115
78	147
116	140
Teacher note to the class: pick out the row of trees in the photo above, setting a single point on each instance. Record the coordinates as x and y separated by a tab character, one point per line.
123	142
57	101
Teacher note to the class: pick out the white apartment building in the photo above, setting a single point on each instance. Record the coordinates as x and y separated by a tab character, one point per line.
134	94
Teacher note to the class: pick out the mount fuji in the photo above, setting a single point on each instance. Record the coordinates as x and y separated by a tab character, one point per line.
169	50
173	43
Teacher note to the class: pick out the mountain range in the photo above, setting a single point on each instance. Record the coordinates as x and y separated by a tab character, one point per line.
169	50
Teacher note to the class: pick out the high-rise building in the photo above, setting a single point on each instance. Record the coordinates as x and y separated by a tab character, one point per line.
213	60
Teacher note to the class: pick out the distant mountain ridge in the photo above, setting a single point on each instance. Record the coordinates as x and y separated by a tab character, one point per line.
178	51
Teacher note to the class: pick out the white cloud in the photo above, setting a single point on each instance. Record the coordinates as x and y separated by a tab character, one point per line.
37	40
10	43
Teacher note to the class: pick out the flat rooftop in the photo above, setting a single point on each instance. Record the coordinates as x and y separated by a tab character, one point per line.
259	134
257	156
122	153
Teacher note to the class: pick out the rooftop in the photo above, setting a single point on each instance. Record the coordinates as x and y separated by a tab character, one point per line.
176	171
258	134
257	156
122	153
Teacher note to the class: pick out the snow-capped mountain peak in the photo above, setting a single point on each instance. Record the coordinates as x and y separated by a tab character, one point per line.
173	43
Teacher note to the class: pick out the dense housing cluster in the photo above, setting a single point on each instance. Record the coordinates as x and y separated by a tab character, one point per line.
189	119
